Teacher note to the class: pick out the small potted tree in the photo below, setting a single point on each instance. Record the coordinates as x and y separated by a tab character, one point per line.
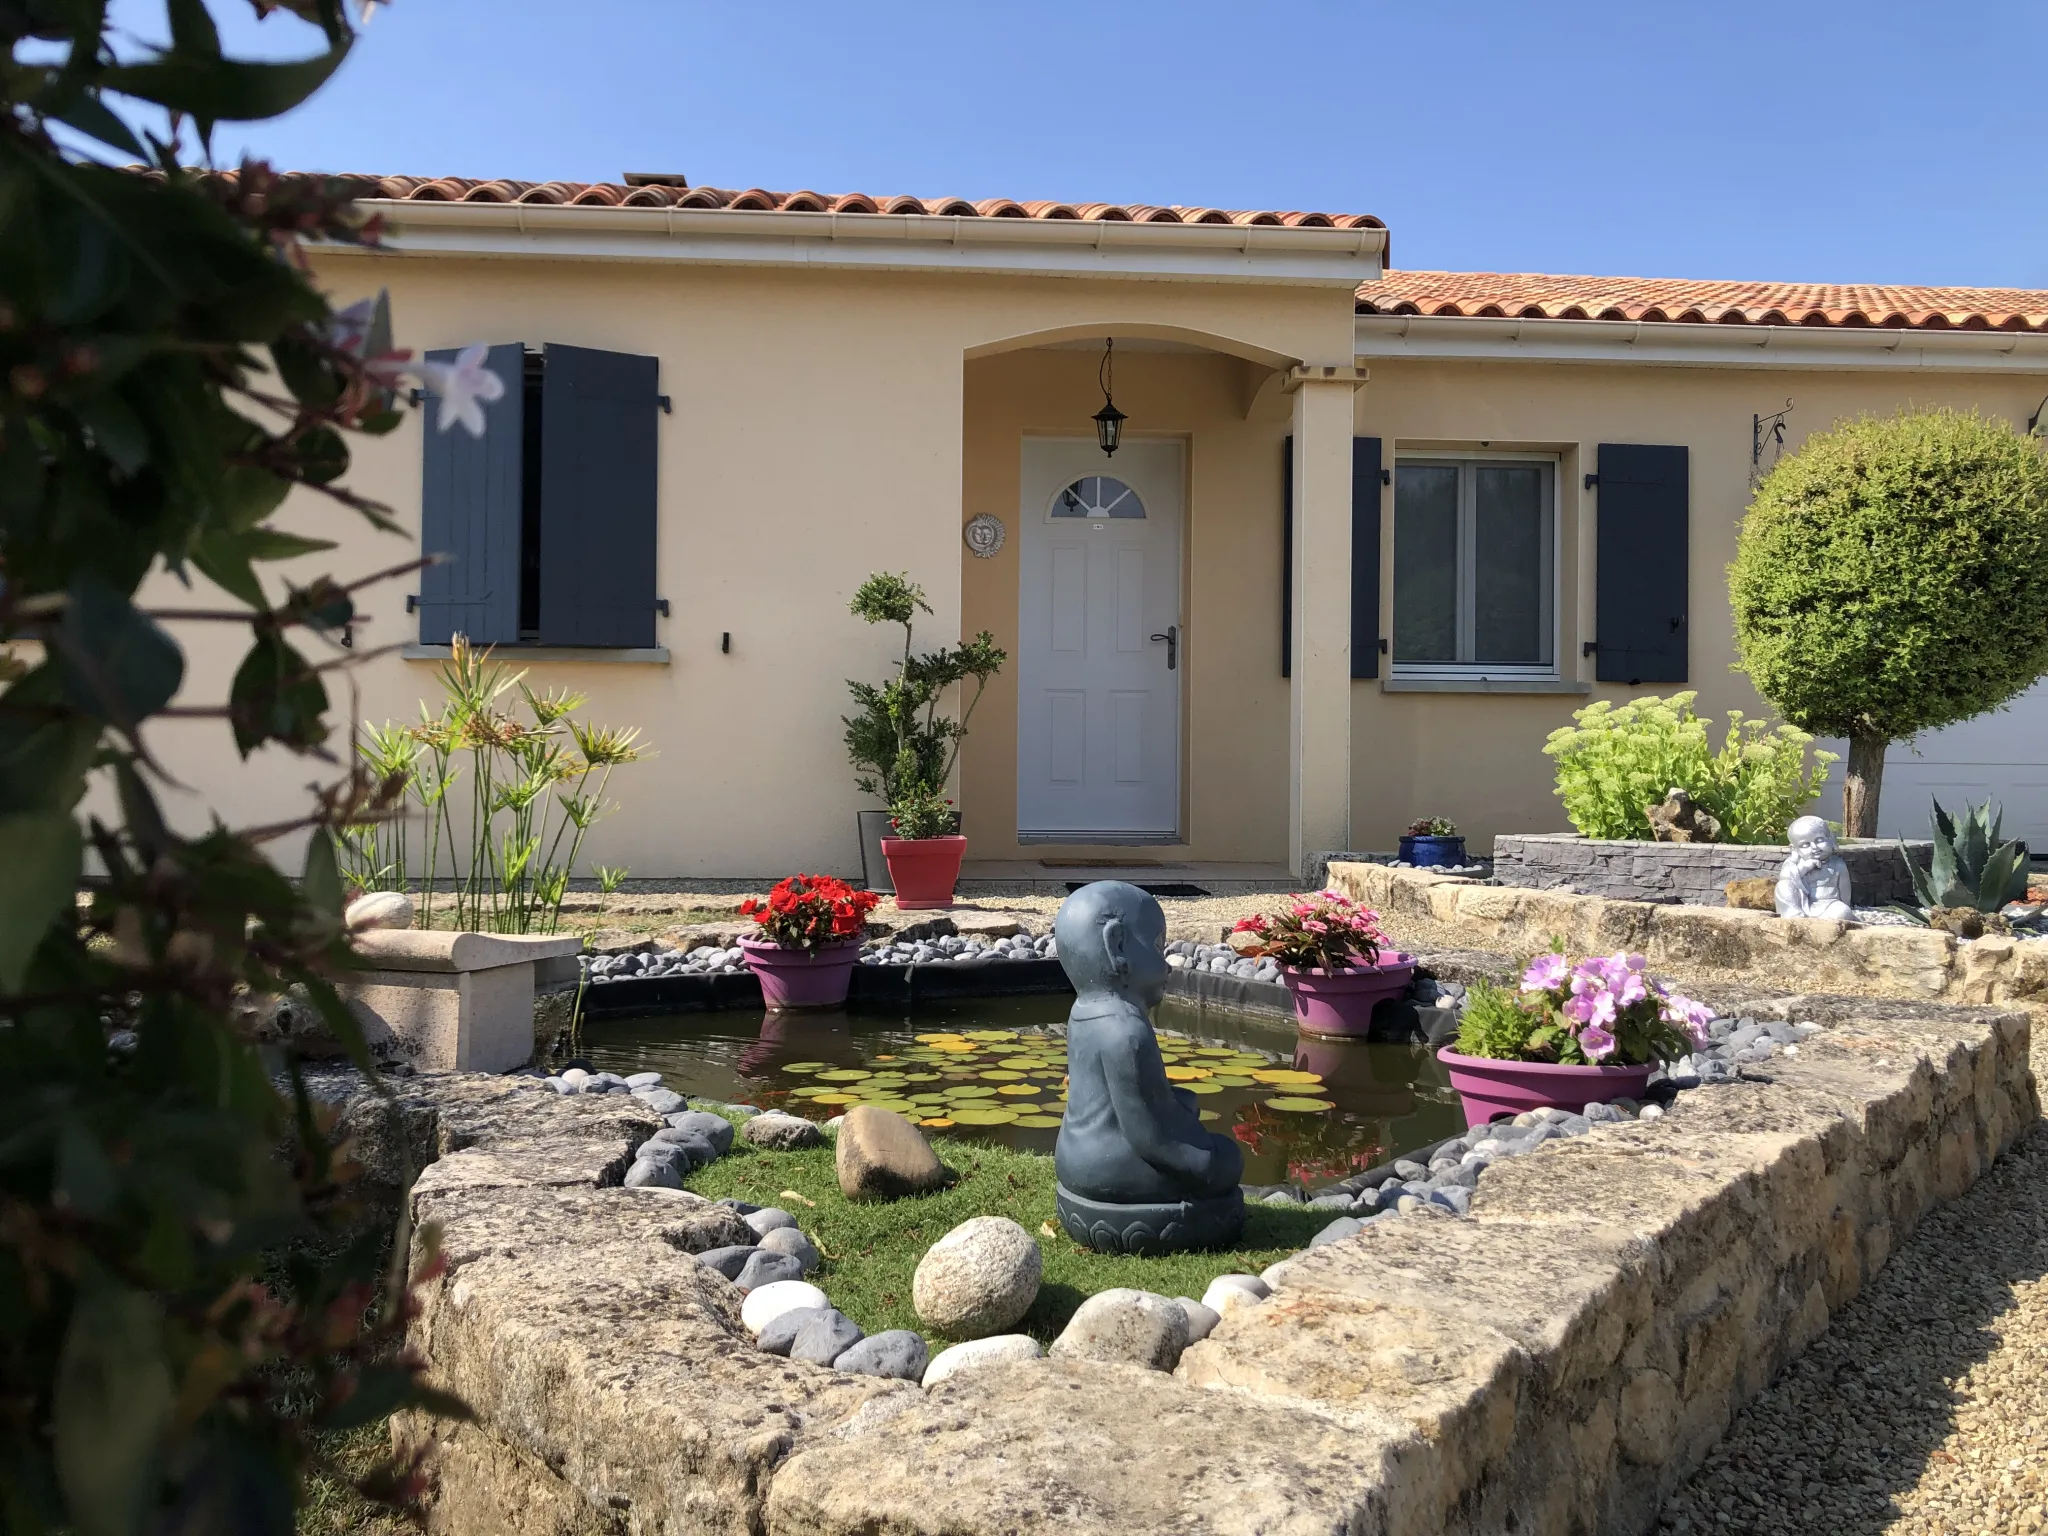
1570	1035
1433	843
905	745
1332	957
811	928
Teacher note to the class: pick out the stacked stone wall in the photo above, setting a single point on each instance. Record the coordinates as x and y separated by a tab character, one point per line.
1693	873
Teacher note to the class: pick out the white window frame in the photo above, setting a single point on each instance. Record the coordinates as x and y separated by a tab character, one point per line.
1462	458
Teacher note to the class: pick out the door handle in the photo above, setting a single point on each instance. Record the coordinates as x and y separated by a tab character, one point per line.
1172	639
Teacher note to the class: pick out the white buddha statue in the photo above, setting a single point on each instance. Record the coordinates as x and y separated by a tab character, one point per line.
1813	881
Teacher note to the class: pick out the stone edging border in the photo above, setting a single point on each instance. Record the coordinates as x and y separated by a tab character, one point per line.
1729	943
1555	1362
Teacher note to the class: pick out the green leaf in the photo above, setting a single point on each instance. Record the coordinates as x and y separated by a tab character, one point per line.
115	663
276	696
222	89
192	29
111	1406
226	556
379	1390
90	116
44	853
321	880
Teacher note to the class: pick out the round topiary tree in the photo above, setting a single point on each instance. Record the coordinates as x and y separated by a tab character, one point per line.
1892	577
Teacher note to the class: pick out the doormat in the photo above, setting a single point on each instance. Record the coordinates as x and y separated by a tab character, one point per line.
1152	887
1100	864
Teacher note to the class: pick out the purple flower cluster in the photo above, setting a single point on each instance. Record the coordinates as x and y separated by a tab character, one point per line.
1597	998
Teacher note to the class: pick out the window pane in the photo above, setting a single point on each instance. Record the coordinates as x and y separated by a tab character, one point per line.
1511	575
1426	562
1098	496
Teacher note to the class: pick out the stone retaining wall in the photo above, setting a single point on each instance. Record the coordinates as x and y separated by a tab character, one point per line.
1759	948
1554	1363
1629	870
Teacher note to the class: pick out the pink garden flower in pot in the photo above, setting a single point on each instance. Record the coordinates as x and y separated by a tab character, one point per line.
1333	958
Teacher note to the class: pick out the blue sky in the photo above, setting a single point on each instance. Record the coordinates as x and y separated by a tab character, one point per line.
1799	140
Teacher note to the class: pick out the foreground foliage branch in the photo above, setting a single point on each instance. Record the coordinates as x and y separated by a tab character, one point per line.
170	1355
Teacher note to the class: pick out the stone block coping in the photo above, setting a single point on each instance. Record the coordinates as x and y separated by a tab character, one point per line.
444	950
1556	1362
1630	869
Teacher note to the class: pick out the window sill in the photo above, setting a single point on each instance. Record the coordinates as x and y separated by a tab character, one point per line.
653	655
1483	685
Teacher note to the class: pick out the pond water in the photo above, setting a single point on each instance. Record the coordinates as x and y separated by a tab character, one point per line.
1305	1110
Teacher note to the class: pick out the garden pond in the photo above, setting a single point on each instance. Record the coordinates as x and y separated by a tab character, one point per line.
1307	1111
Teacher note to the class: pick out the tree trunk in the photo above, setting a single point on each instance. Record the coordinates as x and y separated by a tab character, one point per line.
1865	780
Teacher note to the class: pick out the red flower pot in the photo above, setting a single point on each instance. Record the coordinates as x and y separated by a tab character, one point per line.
802	978
924	870
1341	1002
1495	1090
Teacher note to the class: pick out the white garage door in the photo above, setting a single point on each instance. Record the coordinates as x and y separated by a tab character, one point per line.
2002	756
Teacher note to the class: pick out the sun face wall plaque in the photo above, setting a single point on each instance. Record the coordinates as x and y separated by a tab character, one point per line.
985	534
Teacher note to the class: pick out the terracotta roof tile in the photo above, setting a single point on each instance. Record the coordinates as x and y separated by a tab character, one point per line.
1537	296
456	189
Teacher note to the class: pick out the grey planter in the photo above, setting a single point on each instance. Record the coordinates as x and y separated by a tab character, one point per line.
874	869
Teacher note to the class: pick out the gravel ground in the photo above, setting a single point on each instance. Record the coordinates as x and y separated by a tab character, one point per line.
1923	1411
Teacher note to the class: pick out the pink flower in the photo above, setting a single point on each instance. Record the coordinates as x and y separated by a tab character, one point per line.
1596	1042
1545	973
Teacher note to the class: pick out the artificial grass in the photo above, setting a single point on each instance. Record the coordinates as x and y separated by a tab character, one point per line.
871	1248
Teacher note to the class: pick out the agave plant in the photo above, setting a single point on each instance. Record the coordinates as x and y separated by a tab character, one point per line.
1971	866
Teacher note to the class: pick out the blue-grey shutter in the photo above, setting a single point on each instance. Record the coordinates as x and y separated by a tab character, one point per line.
1287	557
469	511
1643	550
1365	557
597	497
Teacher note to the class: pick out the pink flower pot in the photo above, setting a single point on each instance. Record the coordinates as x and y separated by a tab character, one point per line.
1494	1090
924	870
1341	1002
802	978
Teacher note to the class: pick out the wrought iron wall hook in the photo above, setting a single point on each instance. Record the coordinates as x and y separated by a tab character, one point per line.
1770	427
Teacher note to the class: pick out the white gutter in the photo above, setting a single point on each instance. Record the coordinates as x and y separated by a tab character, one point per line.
1262	253
1693	345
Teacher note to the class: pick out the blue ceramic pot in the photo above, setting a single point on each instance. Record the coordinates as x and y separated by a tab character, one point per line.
1433	852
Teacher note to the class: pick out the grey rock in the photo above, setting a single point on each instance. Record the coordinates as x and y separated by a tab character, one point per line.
644	1080
1453	1198
826	1336
780	1332
656	1151
1126	1326
1408	1168
728	1261
979	1279
739	1205
1464	1176
1574	1125
882	1156
792	1242
658	1175
768	1218
694	1151
898	1353
701	1228
715	1129
1601	1114
765	1268
663	1101
1202	1320
783	1133
1342	1227
1336	1200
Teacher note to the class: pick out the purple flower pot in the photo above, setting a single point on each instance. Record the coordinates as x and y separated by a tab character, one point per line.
1494	1090
1341	1002
802	978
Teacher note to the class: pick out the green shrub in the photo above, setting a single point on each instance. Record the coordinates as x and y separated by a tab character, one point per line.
1495	1024
1891	578
898	738
1615	762
1973	865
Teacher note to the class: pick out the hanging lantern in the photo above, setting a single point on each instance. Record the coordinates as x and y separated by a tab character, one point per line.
1109	421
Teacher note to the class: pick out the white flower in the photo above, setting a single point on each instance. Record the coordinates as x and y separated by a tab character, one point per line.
465	386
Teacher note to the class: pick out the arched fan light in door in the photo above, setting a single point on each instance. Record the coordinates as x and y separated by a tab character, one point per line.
1109	421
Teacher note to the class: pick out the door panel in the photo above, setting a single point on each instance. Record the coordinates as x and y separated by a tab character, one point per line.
1098	756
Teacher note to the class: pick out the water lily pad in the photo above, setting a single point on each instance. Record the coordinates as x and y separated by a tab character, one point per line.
1020	1090
1215	1050
1187	1074
920	1077
894	1106
806	1066
1288	1077
935	1038
845	1075
837	1098
998	1075
1212	1114
989	1034
1040	1122
1294	1106
937	1122
985	1116
1228	1080
1209	1087
970	1093
1020	1063
927	1098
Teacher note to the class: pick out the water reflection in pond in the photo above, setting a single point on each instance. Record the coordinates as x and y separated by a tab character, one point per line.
1305	1110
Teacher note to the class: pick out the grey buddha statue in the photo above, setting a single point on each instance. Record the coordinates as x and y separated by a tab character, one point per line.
1814	879
1136	1171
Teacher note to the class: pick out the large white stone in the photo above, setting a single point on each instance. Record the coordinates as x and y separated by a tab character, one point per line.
979	1279
1000	1350
767	1302
1228	1293
378	909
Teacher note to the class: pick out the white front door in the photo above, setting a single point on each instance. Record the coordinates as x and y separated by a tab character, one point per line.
1098	641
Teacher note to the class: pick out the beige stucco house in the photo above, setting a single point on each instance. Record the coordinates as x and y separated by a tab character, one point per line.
1508	494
